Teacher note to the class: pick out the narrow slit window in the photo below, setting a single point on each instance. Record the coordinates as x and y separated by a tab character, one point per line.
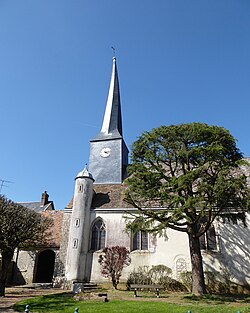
77	222
75	243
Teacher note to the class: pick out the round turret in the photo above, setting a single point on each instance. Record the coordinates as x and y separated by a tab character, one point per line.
85	174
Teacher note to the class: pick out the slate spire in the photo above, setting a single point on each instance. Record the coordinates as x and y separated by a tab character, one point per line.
108	157
112	121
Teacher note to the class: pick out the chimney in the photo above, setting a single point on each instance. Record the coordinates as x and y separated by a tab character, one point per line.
44	199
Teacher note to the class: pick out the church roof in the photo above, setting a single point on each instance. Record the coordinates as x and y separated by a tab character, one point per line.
107	196
112	121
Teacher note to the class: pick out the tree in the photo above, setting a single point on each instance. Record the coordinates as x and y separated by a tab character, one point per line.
112	262
182	177
19	228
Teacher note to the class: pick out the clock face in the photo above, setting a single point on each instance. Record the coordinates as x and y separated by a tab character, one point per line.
105	152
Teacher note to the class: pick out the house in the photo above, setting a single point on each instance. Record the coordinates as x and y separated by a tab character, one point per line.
39	265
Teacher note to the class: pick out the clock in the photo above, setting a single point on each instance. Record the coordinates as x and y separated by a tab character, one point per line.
105	152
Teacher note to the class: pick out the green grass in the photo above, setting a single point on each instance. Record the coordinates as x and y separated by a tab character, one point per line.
61	303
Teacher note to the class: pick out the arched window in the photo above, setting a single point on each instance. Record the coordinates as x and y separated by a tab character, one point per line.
139	240
98	235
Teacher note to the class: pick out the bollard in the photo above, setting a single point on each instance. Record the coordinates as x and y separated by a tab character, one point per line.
76	310
27	308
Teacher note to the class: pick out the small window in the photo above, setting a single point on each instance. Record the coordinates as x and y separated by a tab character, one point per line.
139	240
77	222
80	188
75	243
98	236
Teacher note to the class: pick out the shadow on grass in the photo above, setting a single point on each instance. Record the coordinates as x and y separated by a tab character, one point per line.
210	298
47	302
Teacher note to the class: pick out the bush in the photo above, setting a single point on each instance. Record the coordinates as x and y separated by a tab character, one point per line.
158	274
139	276
186	279
218	282
173	285
112	261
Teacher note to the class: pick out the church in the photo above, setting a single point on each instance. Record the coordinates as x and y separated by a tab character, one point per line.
96	218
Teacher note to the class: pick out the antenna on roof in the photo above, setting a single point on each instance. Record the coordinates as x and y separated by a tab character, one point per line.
2	183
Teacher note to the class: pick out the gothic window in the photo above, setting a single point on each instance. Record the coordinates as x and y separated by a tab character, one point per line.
139	240
208	239
98	236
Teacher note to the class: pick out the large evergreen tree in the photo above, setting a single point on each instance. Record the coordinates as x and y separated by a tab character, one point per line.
19	228
182	177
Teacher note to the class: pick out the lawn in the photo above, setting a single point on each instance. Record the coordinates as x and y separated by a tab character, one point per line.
146	303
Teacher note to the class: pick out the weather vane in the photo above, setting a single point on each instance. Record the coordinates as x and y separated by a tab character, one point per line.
113	50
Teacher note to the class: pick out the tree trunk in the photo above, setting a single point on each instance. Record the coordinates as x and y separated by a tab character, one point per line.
6	260
198	281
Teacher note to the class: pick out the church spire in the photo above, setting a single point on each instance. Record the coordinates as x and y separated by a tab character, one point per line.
108	157
112	121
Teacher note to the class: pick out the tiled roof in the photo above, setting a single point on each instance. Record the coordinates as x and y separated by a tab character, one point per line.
107	196
56	228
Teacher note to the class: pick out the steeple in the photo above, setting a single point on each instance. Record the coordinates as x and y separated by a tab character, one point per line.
112	121
108	158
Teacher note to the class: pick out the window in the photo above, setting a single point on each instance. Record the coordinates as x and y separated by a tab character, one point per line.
208	239
98	236
75	243
139	240
77	222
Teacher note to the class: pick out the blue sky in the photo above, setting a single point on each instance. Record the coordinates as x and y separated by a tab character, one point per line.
179	61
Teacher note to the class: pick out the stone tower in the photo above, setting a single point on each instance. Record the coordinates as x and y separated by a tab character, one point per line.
78	243
108	158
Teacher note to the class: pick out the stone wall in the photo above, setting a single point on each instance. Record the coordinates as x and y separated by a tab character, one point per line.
62	254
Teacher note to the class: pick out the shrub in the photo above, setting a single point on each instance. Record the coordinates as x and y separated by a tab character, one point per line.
173	285
159	273
112	261
186	279
139	276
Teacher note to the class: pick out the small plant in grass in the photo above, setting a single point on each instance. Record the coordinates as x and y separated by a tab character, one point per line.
112	261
